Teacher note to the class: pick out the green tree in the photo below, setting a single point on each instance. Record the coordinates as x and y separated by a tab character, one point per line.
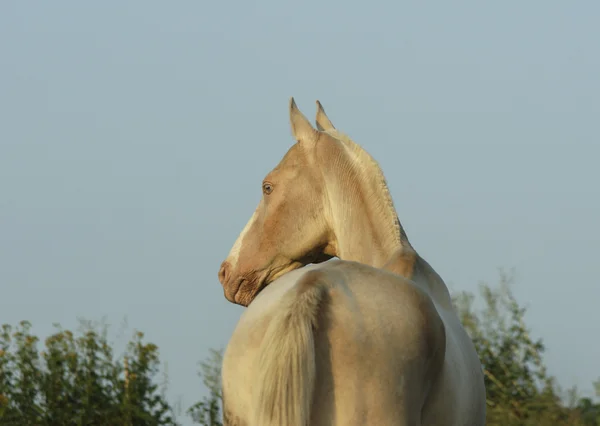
520	391
208	411
78	381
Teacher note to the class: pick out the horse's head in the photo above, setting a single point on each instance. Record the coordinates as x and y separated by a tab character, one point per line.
327	197
289	228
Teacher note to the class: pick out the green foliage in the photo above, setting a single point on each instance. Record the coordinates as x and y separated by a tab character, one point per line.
77	381
208	411
520	392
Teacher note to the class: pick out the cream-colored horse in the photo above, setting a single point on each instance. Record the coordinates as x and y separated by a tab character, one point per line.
371	339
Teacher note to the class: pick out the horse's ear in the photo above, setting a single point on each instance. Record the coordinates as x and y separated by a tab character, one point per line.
302	130
323	122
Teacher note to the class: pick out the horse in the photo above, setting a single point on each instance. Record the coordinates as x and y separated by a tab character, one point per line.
345	323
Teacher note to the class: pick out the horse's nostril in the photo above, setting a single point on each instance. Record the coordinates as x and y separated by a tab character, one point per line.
224	272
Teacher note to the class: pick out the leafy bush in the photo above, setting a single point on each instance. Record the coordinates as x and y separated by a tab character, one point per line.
520	392
78	381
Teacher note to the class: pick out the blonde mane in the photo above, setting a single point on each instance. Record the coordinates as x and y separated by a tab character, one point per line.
370	167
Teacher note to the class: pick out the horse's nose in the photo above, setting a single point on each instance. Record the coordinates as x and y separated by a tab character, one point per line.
224	272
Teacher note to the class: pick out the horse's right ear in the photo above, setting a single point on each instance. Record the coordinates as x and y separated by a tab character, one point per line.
302	130
323	122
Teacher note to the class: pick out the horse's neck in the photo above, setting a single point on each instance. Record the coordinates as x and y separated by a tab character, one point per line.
362	217
364	231
362	244
407	262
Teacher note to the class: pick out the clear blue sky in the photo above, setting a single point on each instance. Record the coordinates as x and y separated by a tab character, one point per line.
134	136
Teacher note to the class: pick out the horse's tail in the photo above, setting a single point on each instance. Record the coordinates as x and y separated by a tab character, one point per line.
286	365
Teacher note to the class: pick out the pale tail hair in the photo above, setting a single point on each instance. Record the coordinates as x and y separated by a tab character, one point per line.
285	379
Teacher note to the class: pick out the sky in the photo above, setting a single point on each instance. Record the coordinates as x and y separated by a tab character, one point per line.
134	137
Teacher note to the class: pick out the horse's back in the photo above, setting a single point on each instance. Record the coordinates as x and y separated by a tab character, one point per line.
379	346
381	343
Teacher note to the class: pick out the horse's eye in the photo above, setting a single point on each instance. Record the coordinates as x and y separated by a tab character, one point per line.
267	188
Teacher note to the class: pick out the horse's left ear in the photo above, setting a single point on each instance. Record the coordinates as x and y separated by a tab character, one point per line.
323	122
302	130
